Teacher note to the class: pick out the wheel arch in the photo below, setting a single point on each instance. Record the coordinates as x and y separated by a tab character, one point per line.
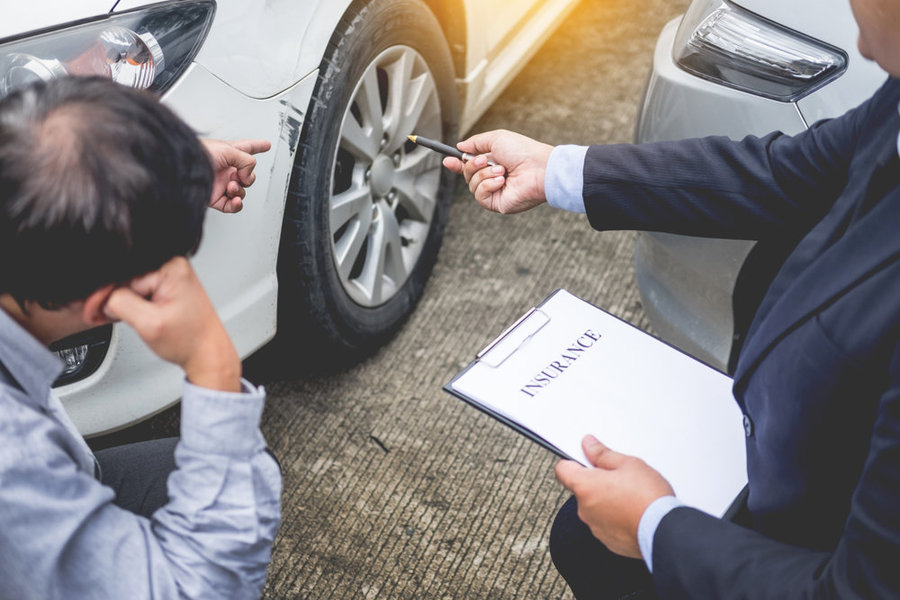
451	14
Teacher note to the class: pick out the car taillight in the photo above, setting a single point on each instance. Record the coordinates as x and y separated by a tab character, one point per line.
147	48
729	45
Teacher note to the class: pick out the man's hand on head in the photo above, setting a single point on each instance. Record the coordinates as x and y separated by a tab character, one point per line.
233	165
171	312
613	496
516	183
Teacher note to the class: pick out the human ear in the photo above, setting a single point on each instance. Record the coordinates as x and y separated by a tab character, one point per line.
92	311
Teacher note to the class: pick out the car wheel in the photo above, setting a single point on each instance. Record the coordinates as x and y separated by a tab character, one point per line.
366	208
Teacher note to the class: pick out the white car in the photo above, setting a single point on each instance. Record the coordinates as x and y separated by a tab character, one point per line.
340	231
735	69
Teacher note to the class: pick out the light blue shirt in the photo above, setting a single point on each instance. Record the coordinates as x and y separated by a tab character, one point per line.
564	178
563	187
64	538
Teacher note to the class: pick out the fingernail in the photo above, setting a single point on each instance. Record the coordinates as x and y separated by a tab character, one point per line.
590	439
480	161
499	170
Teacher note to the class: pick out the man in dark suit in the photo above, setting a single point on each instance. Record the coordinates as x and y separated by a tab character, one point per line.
818	377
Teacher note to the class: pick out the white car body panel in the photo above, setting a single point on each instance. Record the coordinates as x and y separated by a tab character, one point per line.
259	63
262	47
236	260
491	68
495	50
21	17
686	282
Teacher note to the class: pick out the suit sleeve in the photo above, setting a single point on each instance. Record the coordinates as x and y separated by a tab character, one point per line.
698	556
715	187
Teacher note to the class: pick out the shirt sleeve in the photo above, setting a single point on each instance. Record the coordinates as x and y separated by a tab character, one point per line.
63	536
649	522
224	507
564	178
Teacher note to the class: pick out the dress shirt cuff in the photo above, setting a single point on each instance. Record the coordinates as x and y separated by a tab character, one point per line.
564	179
224	423
650	520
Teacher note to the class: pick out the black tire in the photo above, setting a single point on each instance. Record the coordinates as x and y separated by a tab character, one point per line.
320	303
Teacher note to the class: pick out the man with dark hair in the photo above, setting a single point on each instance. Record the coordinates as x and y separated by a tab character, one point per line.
102	196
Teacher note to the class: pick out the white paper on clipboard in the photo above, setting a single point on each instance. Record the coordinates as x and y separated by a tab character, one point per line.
568	368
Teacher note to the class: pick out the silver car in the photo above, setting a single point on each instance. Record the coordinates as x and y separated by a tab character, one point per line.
736	69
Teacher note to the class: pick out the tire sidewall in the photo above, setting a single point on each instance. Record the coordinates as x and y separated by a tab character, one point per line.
366	30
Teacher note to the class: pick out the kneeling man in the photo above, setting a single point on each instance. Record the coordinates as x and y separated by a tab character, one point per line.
102	196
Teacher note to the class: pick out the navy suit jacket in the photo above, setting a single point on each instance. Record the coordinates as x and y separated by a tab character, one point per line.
818	377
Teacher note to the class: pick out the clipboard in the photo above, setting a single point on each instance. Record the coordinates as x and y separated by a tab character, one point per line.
567	368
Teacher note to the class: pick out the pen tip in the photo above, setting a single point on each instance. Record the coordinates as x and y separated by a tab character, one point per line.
412	138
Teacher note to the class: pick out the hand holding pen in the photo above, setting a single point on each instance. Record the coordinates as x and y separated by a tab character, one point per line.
443	148
515	183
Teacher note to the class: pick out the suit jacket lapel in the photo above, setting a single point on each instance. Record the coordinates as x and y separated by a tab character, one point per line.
869	245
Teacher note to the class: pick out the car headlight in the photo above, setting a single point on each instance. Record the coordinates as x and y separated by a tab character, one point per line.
147	48
729	45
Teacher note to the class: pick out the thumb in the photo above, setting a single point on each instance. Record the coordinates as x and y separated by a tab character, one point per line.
568	472
599	455
481	143
126	305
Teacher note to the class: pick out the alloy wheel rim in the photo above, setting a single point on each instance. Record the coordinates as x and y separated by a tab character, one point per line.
384	188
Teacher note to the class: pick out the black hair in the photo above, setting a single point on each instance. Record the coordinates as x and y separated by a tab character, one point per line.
99	183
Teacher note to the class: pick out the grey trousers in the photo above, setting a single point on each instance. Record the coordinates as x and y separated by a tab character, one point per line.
138	472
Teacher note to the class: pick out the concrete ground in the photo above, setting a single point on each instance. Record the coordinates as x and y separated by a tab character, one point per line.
393	488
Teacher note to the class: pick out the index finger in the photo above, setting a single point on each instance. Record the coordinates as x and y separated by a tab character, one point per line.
476	165
252	146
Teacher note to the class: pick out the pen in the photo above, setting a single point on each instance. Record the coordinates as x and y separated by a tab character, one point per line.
443	148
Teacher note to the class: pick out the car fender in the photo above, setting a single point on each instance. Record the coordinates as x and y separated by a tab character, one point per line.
250	39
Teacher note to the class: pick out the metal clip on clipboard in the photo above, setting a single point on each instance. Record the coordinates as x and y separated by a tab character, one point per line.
513	338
